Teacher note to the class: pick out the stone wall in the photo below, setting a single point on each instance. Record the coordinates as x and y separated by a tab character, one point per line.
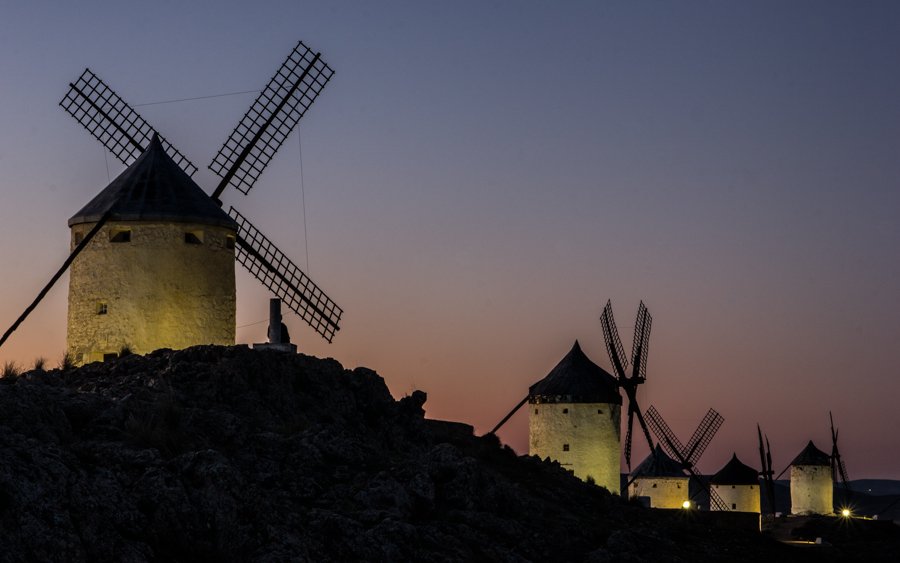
582	437
154	291
663	492
739	498
811	489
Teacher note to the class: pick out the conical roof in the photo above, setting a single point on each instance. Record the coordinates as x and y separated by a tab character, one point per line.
154	188
811	455
577	379
658	464
735	473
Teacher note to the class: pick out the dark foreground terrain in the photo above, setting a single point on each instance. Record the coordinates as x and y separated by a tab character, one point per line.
226	454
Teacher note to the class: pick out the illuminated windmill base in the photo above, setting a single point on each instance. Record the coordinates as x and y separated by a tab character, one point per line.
660	482
737	486
812	488
153	290
575	418
160	271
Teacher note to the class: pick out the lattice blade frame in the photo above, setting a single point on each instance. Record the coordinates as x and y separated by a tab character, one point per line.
113	122
270	119
702	436
613	342
664	435
278	273
640	346
715	500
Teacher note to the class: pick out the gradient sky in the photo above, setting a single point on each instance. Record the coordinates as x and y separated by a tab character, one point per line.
480	177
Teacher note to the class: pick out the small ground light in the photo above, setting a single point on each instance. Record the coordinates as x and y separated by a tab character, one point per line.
845	513
686	504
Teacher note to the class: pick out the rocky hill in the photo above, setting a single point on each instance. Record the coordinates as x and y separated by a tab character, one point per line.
229	454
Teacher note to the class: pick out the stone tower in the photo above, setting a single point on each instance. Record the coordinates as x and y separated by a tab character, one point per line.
575	418
738	486
159	274
661	480
811	484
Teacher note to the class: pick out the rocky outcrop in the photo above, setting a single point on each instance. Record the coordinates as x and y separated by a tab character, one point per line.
229	454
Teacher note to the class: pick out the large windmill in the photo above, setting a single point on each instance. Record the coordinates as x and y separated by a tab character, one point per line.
239	163
689	454
640	347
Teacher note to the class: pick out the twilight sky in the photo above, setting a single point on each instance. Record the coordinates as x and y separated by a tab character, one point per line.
480	177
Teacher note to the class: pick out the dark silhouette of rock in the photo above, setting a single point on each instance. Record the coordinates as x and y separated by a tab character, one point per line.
229	454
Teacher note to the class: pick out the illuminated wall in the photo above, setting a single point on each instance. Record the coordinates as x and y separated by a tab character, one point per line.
811	489
582	437
739	498
150	285
663	492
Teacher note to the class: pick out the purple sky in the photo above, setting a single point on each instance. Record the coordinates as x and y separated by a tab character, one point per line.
481	177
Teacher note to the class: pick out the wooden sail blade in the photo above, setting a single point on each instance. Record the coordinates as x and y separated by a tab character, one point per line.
613	342
271	118
667	439
283	278
113	122
640	346
702	436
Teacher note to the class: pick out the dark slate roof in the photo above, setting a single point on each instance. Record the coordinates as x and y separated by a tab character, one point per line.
154	188
735	473
577	379
811	455
658	464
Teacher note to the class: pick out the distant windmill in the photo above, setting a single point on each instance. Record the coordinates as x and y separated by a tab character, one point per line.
838	469
239	163
688	455
766	471
639	349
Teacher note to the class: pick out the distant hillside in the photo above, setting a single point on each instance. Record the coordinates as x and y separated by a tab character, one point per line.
876	487
227	454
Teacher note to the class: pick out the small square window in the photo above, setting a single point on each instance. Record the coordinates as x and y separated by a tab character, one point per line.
565	447
732	486
193	237
229	242
120	236
78	238
733	506
101	308
654	485
565	411
599	411
535	411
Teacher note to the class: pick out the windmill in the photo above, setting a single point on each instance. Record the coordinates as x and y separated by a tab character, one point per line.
690	453
838	469
766	472
640	347
239	163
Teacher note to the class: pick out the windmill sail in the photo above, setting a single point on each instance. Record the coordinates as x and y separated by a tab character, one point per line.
690	454
640	346
270	119
277	272
613	342
113	122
